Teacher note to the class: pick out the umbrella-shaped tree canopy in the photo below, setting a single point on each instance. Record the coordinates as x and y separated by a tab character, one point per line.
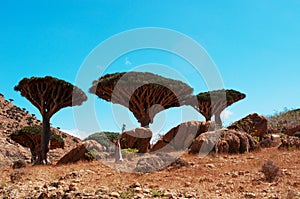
143	93
49	95
214	102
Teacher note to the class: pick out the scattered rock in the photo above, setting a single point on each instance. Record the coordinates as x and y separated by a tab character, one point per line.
114	194
178	163
138	190
134	185
290	142
169	194
72	187
211	166
250	195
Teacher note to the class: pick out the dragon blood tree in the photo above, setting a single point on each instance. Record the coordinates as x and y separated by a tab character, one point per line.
213	103
49	95
143	93
30	136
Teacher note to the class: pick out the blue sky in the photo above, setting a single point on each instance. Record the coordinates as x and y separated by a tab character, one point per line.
254	44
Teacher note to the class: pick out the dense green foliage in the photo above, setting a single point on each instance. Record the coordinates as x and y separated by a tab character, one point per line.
37	130
50	94
231	95
138	78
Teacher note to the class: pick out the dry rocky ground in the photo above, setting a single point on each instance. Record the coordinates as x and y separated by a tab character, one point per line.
213	176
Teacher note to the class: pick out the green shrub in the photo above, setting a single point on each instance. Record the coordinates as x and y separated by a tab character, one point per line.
256	138
156	193
129	153
37	130
129	193
91	155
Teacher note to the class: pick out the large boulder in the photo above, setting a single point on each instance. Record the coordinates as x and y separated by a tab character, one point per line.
88	150
146	165
254	124
223	141
138	138
205	142
159	161
181	136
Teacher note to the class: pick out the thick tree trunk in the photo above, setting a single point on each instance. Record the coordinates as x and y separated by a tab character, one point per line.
42	155
207	119
145	122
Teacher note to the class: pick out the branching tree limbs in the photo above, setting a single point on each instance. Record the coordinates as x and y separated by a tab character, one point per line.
49	95
144	94
214	102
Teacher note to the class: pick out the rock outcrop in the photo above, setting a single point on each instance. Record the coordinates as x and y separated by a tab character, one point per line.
10	151
159	162
223	141
181	136
88	150
254	124
293	130
138	138
268	141
290	142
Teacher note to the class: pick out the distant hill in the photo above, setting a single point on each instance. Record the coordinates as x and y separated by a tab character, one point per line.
106	139
282	121
13	118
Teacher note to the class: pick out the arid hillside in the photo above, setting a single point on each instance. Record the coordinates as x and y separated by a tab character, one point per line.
13	118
